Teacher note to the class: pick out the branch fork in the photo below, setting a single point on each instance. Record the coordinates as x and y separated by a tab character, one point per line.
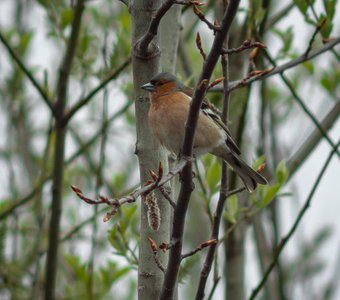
148	187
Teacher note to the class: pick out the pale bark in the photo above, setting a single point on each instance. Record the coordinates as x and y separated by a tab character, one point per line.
150	277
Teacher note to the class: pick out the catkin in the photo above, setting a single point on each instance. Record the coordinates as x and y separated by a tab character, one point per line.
154	216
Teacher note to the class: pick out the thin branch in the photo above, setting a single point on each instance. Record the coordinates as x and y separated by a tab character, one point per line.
280	69
167	195
236	191
18	203
247	44
73	110
59	153
143	44
298	219
202	17
175	255
313	140
154	249
316	31
223	190
199	45
199	248
303	106
147	188
30	76
279	16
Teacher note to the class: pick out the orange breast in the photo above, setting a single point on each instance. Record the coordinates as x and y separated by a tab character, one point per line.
167	118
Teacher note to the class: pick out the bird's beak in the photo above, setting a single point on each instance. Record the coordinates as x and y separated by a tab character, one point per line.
148	87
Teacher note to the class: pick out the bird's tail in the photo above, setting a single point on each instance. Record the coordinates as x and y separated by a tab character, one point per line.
249	176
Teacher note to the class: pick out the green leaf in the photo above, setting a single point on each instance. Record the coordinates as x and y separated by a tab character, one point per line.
78	268
232	209
269	194
213	174
116	240
327	27
258	162
229	217
309	65
186	267
282	172
329	6
66	18
302	5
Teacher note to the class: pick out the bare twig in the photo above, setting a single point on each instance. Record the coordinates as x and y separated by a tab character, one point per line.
18	203
298	219
154	249
143	44
175	255
29	75
303	106
58	164
202	17
73	110
316	31
167	195
223	190
280	69
247	44
199	45
279	16
313	139
236	191
199	248
149	187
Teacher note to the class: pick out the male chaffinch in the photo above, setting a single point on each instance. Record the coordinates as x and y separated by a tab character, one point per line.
170	103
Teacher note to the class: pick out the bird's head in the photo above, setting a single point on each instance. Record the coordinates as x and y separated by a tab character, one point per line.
162	83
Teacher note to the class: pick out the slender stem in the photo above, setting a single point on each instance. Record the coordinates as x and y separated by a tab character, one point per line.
73	110
298	219
280	69
187	185
303	106
18	203
58	164
307	147
145	41
223	190
99	176
28	73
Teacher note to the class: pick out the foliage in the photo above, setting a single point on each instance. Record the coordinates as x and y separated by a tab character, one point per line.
39	32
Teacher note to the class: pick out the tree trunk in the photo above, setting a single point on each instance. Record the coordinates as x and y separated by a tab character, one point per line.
150	277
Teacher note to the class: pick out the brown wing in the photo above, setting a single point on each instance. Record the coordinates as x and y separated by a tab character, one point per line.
213	112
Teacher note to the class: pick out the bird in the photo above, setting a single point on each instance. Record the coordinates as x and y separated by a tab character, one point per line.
168	112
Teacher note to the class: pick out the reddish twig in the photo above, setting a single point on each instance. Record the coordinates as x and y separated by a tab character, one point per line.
175	255
202	17
215	82
142	46
199	45
154	249
200	247
146	189
330	44
247	44
252	76
166	194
